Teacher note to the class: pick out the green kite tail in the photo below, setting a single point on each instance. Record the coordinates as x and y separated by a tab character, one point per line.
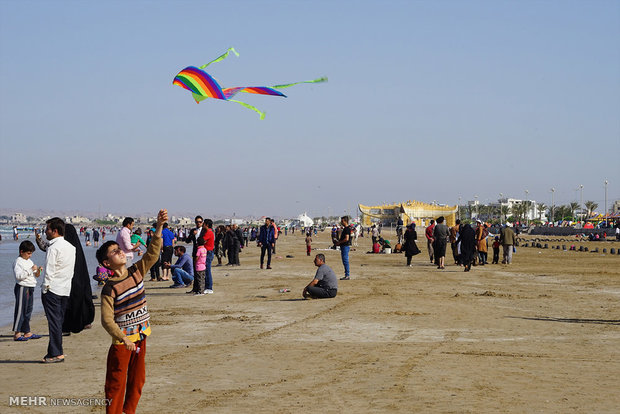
220	58
262	114
199	98
323	79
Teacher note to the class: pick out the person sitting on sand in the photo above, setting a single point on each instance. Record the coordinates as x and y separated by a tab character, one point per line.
325	282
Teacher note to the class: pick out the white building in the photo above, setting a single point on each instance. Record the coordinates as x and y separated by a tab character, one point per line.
76	220
18	218
533	213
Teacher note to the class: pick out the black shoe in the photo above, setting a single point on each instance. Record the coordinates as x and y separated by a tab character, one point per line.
345	278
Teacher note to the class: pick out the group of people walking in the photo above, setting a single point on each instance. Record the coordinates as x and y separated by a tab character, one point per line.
469	246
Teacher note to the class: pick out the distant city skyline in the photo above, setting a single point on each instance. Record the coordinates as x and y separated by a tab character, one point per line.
426	100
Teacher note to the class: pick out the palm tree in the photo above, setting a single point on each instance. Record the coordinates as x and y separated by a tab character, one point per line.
503	211
541	208
527	206
573	207
590	206
516	211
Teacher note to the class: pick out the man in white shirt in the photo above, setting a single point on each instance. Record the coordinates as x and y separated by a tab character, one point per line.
123	239
59	266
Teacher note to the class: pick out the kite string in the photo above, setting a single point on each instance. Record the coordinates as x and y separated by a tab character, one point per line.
221	57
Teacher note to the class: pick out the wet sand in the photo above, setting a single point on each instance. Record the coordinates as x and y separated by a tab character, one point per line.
540	335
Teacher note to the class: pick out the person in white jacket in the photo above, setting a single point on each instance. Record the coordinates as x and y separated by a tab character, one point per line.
25	272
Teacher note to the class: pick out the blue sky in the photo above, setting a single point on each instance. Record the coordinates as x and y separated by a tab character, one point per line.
426	100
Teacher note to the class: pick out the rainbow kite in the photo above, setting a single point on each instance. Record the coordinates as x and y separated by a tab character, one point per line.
203	86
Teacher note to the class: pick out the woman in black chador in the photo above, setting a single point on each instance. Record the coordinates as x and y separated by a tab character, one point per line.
80	311
410	247
467	238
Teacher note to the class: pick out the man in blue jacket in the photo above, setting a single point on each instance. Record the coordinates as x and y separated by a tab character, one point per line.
266	241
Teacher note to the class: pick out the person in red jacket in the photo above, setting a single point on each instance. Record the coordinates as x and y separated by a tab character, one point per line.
430	239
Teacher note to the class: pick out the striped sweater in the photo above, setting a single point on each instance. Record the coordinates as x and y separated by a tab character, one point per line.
124	311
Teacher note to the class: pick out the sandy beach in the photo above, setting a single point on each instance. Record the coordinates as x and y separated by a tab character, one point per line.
540	335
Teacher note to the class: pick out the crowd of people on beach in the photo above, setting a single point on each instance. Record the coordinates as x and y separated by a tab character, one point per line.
126	261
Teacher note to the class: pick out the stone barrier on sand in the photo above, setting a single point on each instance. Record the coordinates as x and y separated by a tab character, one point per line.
580	248
585	249
604	250
563	247
612	251
568	231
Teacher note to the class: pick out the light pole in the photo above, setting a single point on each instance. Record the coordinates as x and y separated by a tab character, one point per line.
501	215
581	201
605	211
476	203
526	212
552	206
458	209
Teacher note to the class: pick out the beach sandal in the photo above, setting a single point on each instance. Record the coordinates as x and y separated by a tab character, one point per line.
51	360
21	338
33	336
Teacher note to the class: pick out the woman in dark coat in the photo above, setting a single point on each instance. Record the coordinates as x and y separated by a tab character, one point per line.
467	239
220	249
80	309
410	247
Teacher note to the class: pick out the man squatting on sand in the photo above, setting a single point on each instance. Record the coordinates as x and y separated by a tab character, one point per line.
125	316
325	282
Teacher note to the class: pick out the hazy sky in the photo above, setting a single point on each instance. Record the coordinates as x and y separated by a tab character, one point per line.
426	100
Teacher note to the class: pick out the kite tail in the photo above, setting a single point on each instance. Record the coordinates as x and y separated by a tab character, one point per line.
199	98
262	114
221	57
288	85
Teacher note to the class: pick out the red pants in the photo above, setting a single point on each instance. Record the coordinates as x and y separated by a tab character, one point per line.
308	249
125	371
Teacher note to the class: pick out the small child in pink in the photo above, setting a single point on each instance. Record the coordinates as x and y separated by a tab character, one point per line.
200	267
102	275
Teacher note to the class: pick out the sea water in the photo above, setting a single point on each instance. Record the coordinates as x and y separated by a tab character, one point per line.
9	250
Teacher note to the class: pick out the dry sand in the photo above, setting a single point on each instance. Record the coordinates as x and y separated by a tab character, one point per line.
540	335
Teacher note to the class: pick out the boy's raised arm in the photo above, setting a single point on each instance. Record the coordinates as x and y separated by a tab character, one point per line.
152	252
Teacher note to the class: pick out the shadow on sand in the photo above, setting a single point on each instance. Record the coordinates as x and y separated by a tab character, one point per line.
570	320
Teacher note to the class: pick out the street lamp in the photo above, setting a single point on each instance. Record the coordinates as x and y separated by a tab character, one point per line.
458	208
581	200
526	202
501	214
476	203
552	206
605	212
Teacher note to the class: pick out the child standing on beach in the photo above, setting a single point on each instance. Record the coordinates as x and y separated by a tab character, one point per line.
201	266
125	316
496	250
308	243
25	272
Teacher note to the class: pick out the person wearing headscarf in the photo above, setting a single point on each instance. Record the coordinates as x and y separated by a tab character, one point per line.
410	247
467	238
80	311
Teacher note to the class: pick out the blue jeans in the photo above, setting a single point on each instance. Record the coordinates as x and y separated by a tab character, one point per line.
208	275
181	277
344	253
